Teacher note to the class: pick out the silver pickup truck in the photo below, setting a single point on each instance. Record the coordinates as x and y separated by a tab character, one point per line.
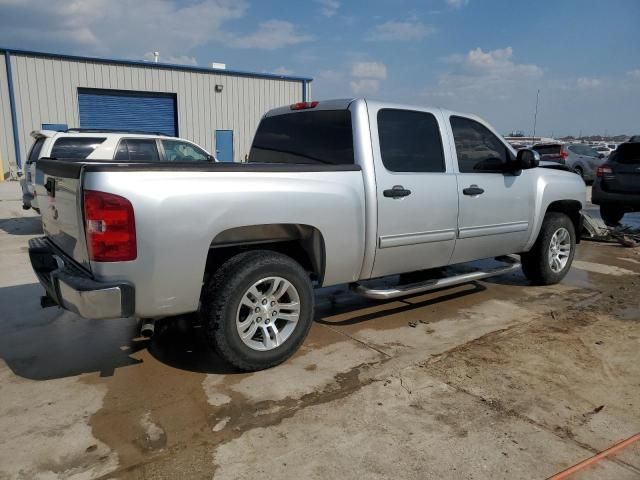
334	192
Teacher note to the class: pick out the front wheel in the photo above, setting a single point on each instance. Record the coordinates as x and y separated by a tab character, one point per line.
551	256
258	309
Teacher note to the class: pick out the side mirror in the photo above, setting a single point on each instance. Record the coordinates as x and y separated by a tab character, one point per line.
211	158
526	159
601	155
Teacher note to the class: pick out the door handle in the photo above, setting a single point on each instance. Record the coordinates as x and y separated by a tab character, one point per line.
398	191
473	190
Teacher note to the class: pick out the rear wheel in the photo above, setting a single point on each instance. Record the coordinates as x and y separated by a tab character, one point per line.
258	309
611	215
579	171
551	256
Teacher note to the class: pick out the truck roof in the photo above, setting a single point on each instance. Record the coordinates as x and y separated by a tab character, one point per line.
343	104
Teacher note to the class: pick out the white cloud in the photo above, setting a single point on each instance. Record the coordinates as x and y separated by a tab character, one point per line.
457	3
123	28
377	70
634	73
586	82
329	7
365	86
283	71
116	27
493	63
270	35
400	31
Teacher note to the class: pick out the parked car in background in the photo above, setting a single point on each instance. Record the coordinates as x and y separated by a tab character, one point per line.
603	149
617	185
335	192
581	159
79	144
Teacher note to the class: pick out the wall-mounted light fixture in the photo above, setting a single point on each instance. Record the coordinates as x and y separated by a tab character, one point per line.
219	88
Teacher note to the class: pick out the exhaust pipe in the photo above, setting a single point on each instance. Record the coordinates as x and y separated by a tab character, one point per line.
147	328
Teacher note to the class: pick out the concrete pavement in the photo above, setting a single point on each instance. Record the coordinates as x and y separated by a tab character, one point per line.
494	379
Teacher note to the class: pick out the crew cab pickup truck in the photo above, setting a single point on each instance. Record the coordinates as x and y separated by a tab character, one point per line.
334	192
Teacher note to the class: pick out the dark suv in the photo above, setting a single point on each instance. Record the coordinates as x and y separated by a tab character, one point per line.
617	185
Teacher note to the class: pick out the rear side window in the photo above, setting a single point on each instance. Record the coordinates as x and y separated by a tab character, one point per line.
322	136
75	148
478	149
410	141
627	153
36	148
137	150
176	151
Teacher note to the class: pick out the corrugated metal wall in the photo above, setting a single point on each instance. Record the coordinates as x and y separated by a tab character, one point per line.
7	152
46	91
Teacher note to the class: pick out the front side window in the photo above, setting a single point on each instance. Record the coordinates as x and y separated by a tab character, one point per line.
137	150
75	148
410	141
176	151
308	137
590	152
477	148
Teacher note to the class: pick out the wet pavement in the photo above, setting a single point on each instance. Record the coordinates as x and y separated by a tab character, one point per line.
494	379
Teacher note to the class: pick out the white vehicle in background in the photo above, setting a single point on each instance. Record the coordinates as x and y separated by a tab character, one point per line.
106	145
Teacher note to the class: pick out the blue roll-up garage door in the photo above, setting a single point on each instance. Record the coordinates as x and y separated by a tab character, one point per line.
119	110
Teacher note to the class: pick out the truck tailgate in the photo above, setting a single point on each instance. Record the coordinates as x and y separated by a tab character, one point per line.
60	201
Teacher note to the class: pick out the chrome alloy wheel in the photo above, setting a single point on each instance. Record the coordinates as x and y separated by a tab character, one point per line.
268	313
559	249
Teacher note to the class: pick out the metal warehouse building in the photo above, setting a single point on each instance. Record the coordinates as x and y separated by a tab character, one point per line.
216	108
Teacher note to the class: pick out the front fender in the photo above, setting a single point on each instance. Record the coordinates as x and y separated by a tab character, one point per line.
554	186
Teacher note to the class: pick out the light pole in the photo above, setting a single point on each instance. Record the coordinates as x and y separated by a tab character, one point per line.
535	118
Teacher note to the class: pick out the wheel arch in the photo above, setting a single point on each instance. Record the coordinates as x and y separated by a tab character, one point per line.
572	209
303	243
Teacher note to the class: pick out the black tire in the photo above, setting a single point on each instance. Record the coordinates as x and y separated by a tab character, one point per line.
221	297
611	215
535	263
579	171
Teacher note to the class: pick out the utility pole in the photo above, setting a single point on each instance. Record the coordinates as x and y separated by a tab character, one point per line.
535	118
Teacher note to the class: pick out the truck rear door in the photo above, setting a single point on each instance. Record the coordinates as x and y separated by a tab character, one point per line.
416	190
60	201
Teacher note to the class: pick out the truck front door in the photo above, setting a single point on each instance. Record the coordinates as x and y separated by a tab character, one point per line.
494	206
416	191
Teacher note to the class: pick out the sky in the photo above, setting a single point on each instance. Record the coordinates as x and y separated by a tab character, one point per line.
488	57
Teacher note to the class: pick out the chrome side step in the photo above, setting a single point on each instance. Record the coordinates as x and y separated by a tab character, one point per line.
513	263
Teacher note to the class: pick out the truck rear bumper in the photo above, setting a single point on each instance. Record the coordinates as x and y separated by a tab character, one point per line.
73	289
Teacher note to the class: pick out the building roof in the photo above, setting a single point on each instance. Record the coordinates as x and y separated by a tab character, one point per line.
166	66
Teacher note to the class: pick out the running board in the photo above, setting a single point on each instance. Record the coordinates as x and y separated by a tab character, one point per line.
513	263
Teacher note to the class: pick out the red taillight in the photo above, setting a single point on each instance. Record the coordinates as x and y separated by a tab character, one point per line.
110	227
604	170
563	156
303	105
